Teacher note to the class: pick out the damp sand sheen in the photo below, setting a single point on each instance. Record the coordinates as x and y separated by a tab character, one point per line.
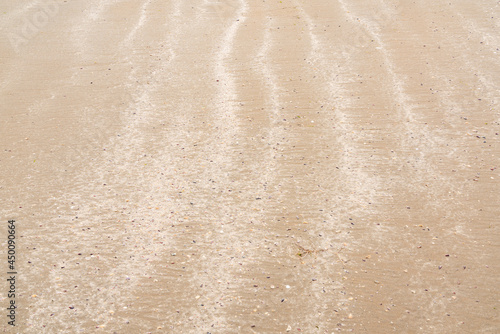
250	166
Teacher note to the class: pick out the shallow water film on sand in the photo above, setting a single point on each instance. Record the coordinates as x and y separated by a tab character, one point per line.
249	166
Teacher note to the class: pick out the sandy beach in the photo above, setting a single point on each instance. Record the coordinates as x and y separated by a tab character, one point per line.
216	166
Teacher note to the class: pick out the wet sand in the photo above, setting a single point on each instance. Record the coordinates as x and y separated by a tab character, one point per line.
251	167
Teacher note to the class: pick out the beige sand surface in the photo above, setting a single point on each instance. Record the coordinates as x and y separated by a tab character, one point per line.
248	166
